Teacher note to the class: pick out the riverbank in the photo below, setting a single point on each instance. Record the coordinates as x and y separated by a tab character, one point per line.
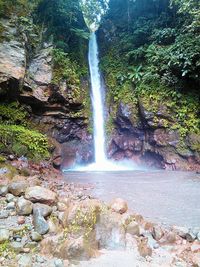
47	221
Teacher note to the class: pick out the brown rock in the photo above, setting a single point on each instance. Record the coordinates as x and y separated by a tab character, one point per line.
18	188
119	205
133	228
144	248
21	220
42	209
24	207
157	232
41	195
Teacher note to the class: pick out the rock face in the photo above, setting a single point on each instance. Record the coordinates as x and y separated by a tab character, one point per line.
26	76
145	137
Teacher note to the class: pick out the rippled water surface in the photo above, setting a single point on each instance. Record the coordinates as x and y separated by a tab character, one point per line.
161	196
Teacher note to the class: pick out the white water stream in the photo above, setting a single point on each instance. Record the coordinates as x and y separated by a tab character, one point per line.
101	163
97	102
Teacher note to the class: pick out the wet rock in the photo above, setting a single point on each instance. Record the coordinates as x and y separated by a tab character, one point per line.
119	205
4	214
133	228
24	207
4	235
3	190
25	261
17	188
41	195
10	206
157	232
42	209
36	236
40	224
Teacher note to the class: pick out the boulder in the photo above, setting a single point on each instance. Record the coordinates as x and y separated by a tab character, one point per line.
119	205
157	232
42	209
133	228
18	188
24	207
41	195
40	224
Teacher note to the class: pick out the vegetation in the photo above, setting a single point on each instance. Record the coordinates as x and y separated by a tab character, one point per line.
151	53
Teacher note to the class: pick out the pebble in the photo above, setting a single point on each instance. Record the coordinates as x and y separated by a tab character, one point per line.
25	261
21	220
58	263
4	235
4	214
10	198
10	206
3	190
36	236
16	246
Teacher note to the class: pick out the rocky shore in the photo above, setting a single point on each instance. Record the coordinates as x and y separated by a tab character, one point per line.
45	221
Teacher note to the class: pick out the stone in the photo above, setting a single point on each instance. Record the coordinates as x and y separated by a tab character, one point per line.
190	237
157	232
36	236
133	228
42	209
181	231
61	206
4	235
4	214
10	206
119	205
143	248
18	188
10	198
24	207
25	261
3	190
41	195
40	224
198	236
16	246
31	245
21	220
171	237
58	263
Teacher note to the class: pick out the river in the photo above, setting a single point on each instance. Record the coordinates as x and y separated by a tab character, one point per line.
171	198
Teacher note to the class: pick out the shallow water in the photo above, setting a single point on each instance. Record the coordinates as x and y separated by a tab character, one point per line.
161	196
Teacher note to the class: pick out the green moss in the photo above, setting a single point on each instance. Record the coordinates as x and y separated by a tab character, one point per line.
179	109
2	159
33	142
13	113
4	247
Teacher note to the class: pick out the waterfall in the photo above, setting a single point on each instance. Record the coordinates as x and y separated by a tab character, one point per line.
97	96
97	92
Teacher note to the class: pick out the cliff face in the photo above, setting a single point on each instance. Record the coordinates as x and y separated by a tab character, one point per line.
27	76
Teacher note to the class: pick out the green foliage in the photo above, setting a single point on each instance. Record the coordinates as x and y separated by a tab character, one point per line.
33	143
65	70
13	113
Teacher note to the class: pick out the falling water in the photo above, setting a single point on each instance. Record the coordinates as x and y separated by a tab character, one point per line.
97	102
101	162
